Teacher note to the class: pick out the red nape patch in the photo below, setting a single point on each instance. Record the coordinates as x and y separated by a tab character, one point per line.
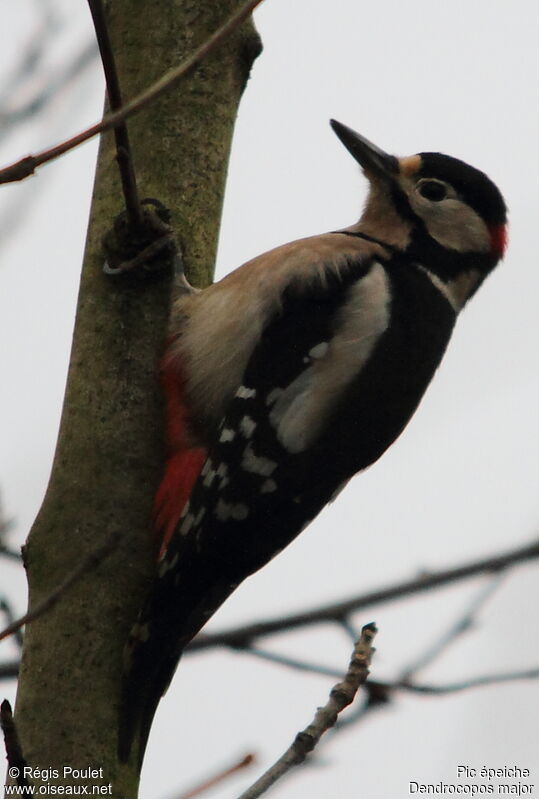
181	471
498	239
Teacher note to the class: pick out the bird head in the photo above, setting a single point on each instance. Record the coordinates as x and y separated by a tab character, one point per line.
437	210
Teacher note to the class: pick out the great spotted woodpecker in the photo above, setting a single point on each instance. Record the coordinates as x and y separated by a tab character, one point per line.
293	373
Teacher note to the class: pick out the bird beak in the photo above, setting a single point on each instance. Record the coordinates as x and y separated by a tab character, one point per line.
370	157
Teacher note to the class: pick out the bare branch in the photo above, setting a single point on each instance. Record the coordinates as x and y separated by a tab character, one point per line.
380	693
9	670
15	759
467	684
245	761
92	561
7	610
26	166
292	663
241	637
341	696
11	554
349	628
124	155
5	527
464	623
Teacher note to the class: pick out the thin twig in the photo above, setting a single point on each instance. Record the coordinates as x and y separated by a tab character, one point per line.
124	155
6	552
5	527
465	685
292	663
380	693
7	610
15	758
241	637
26	166
464	623
349	628
245	761
341	696
89	563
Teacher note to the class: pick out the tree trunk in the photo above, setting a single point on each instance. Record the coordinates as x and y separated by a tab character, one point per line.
109	453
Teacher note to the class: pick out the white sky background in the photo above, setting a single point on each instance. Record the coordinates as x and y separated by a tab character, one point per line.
461	482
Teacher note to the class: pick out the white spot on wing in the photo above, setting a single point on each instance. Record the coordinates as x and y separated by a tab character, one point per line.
167	564
247	426
207	466
230	510
227	434
200	515
245	393
187	523
222	474
257	464
319	350
209	477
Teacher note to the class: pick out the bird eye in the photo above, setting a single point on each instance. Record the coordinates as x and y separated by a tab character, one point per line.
432	190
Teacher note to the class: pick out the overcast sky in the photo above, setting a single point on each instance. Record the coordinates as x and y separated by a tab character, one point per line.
461	482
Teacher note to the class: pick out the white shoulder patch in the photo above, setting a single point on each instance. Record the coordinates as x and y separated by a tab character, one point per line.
299	412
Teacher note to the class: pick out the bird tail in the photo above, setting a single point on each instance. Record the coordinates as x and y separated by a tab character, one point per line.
186	593
145	680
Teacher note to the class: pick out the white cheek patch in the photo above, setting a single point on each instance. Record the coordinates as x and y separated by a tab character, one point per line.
453	224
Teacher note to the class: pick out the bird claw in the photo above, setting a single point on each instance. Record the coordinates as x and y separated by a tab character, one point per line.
150	249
